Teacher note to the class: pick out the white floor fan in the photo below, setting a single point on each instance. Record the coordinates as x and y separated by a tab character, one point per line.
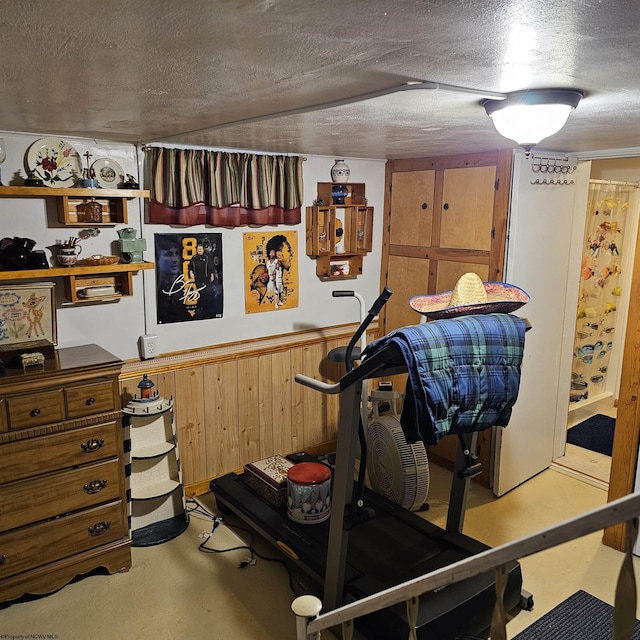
397	470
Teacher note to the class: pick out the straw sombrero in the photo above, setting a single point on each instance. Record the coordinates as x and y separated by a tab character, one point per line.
470	296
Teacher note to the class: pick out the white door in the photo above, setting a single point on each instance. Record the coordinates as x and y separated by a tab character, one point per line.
544	221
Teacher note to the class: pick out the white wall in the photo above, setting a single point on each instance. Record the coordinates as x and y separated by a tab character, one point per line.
316	308
117	326
114	326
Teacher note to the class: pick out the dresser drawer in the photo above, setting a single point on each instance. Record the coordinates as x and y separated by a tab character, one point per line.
49	495
43	454
37	545
35	409
87	399
4	423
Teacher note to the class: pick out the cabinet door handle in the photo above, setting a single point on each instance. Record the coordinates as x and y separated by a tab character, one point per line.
90	401
34	412
92	445
3	557
99	528
446	206
95	486
425	205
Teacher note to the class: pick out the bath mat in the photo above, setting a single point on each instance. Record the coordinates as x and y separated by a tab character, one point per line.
580	617
595	434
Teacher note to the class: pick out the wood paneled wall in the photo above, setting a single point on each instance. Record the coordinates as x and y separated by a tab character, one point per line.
237	403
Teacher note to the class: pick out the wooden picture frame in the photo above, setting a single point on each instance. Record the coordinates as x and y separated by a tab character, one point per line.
28	316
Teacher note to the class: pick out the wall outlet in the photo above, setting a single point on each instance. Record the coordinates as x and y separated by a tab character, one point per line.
148	346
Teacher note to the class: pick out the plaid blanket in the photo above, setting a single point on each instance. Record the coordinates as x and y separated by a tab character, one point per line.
464	373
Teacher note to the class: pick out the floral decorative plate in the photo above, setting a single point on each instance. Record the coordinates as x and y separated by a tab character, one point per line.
55	162
109	173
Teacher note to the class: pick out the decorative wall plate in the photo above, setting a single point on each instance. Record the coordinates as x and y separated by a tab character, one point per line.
55	162
109	173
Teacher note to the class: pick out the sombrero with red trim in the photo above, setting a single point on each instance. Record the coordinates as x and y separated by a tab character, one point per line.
470	296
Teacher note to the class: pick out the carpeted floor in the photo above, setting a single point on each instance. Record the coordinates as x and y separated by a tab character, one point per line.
580	617
595	434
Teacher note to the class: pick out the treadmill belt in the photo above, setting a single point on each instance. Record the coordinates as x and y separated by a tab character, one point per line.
395	546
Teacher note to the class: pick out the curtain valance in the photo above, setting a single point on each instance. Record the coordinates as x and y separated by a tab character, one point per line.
196	186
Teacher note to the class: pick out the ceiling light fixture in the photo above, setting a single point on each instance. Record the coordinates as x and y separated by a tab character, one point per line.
530	116
524	116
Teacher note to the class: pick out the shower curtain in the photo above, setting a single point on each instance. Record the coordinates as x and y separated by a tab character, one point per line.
601	284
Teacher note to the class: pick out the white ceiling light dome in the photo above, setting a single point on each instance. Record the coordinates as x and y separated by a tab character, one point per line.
531	116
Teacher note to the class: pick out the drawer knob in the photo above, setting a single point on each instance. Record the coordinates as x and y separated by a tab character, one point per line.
92	445
90	401
95	486
3	557
99	528
34	412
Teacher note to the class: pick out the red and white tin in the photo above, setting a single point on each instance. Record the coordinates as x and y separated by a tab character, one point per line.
309	492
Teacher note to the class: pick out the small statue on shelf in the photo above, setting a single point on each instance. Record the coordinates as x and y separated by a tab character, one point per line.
88	180
32	180
130	182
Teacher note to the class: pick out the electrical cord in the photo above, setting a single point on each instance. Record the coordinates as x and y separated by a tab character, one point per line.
216	520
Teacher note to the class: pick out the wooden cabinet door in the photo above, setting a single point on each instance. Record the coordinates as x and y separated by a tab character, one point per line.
466	216
445	217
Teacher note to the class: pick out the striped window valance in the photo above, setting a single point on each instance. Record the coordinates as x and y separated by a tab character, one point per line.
196	186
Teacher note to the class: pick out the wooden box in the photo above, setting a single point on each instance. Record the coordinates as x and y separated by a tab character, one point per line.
10	353
268	478
319	227
339	267
355	192
362	228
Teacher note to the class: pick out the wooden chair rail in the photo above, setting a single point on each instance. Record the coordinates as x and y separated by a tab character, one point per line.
237	403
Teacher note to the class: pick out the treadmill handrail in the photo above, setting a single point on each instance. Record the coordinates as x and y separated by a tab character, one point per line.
318	385
388	361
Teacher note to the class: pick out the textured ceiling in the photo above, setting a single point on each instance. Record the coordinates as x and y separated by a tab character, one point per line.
180	72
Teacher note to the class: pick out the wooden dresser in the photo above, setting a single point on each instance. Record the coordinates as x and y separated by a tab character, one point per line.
63	509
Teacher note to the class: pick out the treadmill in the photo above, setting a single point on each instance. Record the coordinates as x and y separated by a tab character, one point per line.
370	543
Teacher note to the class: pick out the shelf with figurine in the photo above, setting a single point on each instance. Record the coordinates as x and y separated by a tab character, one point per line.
96	278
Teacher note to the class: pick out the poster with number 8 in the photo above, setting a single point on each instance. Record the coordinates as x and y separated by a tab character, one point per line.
188	276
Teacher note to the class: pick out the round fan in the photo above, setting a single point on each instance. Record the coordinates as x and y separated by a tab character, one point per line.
397	470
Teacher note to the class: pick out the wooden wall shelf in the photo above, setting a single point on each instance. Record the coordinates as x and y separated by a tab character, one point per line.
338	235
56	272
70	213
71	202
46	192
78	278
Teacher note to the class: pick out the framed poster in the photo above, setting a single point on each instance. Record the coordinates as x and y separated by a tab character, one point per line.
270	271
188	276
28	314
